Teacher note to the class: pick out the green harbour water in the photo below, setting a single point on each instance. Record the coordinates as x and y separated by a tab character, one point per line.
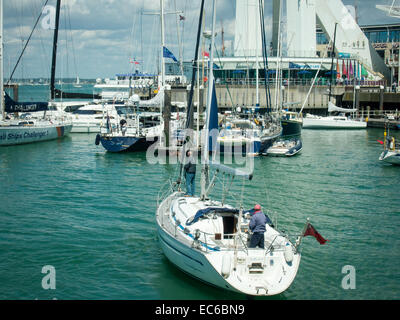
91	215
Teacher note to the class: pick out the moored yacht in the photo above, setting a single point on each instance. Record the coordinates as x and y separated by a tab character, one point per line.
292	123
28	122
332	122
240	136
89	118
209	239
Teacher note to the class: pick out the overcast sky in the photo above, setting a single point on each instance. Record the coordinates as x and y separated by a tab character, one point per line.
99	38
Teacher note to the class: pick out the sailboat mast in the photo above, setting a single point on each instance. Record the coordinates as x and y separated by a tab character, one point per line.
161	139
205	153
178	18
162	44
54	61
333	57
257	65
190	110
2	108
278	61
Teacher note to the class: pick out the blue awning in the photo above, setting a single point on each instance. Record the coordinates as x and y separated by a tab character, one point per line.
203	212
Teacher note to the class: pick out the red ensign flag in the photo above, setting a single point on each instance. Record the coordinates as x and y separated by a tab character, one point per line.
310	231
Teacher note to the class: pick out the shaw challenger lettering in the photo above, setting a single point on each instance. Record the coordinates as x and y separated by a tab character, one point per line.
25	135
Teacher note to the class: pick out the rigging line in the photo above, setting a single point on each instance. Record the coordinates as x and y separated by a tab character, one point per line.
179	39
66	46
315	78
72	38
183	30
190	110
265	56
242	194
227	87
42	47
26	44
141	38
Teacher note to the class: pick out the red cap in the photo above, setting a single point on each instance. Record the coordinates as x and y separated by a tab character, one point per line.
257	208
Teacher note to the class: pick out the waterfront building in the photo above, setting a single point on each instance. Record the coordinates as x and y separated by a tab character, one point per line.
385	39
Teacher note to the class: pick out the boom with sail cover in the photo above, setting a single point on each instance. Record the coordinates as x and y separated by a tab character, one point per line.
333	108
11	106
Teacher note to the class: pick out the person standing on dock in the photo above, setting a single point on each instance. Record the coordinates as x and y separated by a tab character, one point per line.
190	174
257	226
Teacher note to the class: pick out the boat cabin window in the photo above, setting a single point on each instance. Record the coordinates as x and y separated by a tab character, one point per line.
242	126
123	110
88	112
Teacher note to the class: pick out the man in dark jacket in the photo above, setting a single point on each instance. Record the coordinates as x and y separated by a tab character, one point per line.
190	174
257	226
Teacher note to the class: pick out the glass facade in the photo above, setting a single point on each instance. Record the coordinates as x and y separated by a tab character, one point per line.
322	39
394	36
383	35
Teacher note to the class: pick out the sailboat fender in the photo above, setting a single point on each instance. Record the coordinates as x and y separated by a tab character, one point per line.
97	140
288	253
226	266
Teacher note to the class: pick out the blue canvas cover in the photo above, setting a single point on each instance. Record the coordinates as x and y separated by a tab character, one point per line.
11	106
203	212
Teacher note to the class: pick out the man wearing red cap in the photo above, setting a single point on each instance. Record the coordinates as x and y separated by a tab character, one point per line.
257	226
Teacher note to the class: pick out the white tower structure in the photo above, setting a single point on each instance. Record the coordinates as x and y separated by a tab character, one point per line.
392	11
247	29
301	28
350	38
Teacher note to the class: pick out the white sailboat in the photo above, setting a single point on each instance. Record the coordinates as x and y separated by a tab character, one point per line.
391	150
17	128
209	239
391	156
340	121
240	136
333	122
77	83
131	135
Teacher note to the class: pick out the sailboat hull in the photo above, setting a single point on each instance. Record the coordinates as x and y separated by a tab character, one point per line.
291	128
392	157
332	123
232	146
268	140
118	144
256	272
190	260
16	135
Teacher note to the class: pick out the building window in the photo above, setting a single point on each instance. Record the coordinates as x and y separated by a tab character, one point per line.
382	37
322	39
372	37
394	36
